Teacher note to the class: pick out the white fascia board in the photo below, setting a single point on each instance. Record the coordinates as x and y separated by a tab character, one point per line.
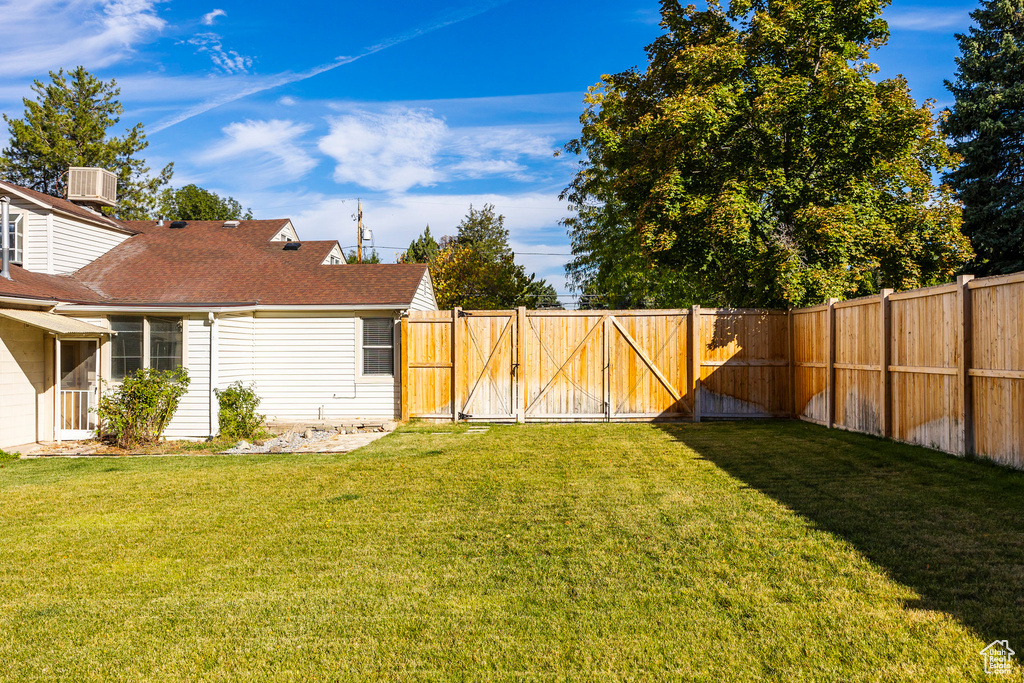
88	308
49	303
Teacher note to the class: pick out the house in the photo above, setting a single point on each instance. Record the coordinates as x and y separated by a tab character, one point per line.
247	301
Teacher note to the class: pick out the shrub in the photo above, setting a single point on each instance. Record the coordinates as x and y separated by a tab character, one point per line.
238	417
5	455
140	408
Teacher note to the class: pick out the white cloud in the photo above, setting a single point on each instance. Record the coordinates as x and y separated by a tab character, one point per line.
229	61
392	151
57	33
401	148
211	17
287	101
275	143
929	20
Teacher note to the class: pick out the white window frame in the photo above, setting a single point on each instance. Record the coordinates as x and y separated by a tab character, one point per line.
17	220
376	379
183	321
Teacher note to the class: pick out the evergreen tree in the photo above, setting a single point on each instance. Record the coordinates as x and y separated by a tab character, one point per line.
369	256
987	126
485	232
423	249
66	125
193	203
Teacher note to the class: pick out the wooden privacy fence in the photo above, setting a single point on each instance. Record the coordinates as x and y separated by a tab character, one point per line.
522	365
942	367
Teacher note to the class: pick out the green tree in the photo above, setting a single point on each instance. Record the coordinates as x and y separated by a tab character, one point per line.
423	249
755	162
485	232
66	125
193	203
369	256
477	268
987	126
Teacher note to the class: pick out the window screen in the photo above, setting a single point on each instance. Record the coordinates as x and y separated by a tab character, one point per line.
378	346
126	346
164	344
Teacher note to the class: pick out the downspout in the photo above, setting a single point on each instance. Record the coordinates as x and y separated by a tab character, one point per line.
214	407
5	222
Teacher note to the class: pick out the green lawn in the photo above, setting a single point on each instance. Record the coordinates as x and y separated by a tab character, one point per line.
747	551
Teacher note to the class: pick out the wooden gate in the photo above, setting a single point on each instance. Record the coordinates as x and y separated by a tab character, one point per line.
547	365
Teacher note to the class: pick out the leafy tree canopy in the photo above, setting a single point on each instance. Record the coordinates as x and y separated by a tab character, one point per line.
66	125
987	126
193	203
755	162
477	269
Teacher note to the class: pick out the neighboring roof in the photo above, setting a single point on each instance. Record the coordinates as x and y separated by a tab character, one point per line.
51	322
206	263
64	206
25	284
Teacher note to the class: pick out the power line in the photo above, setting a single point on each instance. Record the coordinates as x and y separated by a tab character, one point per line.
524	253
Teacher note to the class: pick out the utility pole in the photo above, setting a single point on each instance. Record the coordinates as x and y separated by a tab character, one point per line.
359	235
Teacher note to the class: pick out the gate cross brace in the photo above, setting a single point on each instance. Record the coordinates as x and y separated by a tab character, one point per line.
487	363
558	373
647	361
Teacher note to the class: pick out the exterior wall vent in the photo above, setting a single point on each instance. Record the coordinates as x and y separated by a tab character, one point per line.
95	186
292	246
232	224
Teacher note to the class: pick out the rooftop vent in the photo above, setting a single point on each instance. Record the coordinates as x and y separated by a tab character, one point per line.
292	246
92	186
232	224
178	225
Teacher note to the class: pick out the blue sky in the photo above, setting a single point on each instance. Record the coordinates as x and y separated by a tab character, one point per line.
419	108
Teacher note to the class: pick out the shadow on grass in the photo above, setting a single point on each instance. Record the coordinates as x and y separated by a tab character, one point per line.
950	529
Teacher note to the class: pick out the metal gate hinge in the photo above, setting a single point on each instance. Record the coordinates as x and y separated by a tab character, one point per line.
463	314
464	416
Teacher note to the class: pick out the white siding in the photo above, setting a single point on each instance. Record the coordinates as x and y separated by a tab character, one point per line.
76	244
21	381
423	299
35	243
237	342
306	370
193	416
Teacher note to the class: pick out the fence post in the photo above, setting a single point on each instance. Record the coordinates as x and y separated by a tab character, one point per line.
403	340
456	352
790	331
606	369
963	368
885	340
521	369
696	356
830	370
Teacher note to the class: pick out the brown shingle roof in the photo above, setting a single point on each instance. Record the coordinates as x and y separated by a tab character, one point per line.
65	206
206	263
25	284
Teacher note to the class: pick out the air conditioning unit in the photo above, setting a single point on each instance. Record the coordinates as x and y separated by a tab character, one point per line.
92	186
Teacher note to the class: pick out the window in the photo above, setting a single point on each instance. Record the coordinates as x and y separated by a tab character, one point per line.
164	344
334	260
16	240
378	346
126	347
144	343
